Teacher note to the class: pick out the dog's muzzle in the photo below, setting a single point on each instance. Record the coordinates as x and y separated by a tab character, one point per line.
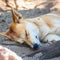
35	46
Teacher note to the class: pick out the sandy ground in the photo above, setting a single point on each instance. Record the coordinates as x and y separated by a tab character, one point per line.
21	50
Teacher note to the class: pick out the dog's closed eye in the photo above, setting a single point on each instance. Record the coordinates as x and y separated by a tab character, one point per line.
26	34
36	36
19	17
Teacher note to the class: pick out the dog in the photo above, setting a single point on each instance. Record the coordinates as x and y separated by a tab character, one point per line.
32	31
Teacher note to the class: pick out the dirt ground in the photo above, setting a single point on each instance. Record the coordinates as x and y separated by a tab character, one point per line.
22	50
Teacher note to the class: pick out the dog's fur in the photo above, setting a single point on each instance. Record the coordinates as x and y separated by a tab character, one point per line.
30	31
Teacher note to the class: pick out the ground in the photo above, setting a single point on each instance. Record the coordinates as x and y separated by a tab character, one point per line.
22	50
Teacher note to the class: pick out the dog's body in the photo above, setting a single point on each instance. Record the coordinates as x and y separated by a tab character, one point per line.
30	31
48	26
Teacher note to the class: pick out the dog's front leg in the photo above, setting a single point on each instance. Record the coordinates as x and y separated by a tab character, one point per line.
52	38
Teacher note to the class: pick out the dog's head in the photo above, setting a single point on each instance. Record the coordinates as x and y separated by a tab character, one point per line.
18	32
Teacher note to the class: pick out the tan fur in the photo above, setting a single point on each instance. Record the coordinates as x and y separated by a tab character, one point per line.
48	21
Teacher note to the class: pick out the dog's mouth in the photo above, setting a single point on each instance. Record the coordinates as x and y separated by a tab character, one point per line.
33	44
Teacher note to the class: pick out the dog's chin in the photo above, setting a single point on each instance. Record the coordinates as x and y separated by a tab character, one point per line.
34	46
19	40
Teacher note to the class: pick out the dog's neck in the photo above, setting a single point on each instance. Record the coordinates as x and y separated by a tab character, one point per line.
39	26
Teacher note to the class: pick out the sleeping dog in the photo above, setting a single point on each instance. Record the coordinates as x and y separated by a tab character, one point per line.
45	28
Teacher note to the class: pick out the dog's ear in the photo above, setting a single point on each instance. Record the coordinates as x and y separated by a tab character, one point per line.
16	16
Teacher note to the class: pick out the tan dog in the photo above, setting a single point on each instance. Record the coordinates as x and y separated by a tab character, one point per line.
30	31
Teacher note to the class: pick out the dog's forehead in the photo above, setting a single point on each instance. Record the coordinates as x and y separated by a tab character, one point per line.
13	25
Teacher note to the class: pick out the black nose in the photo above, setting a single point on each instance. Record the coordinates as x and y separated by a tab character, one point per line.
35	46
